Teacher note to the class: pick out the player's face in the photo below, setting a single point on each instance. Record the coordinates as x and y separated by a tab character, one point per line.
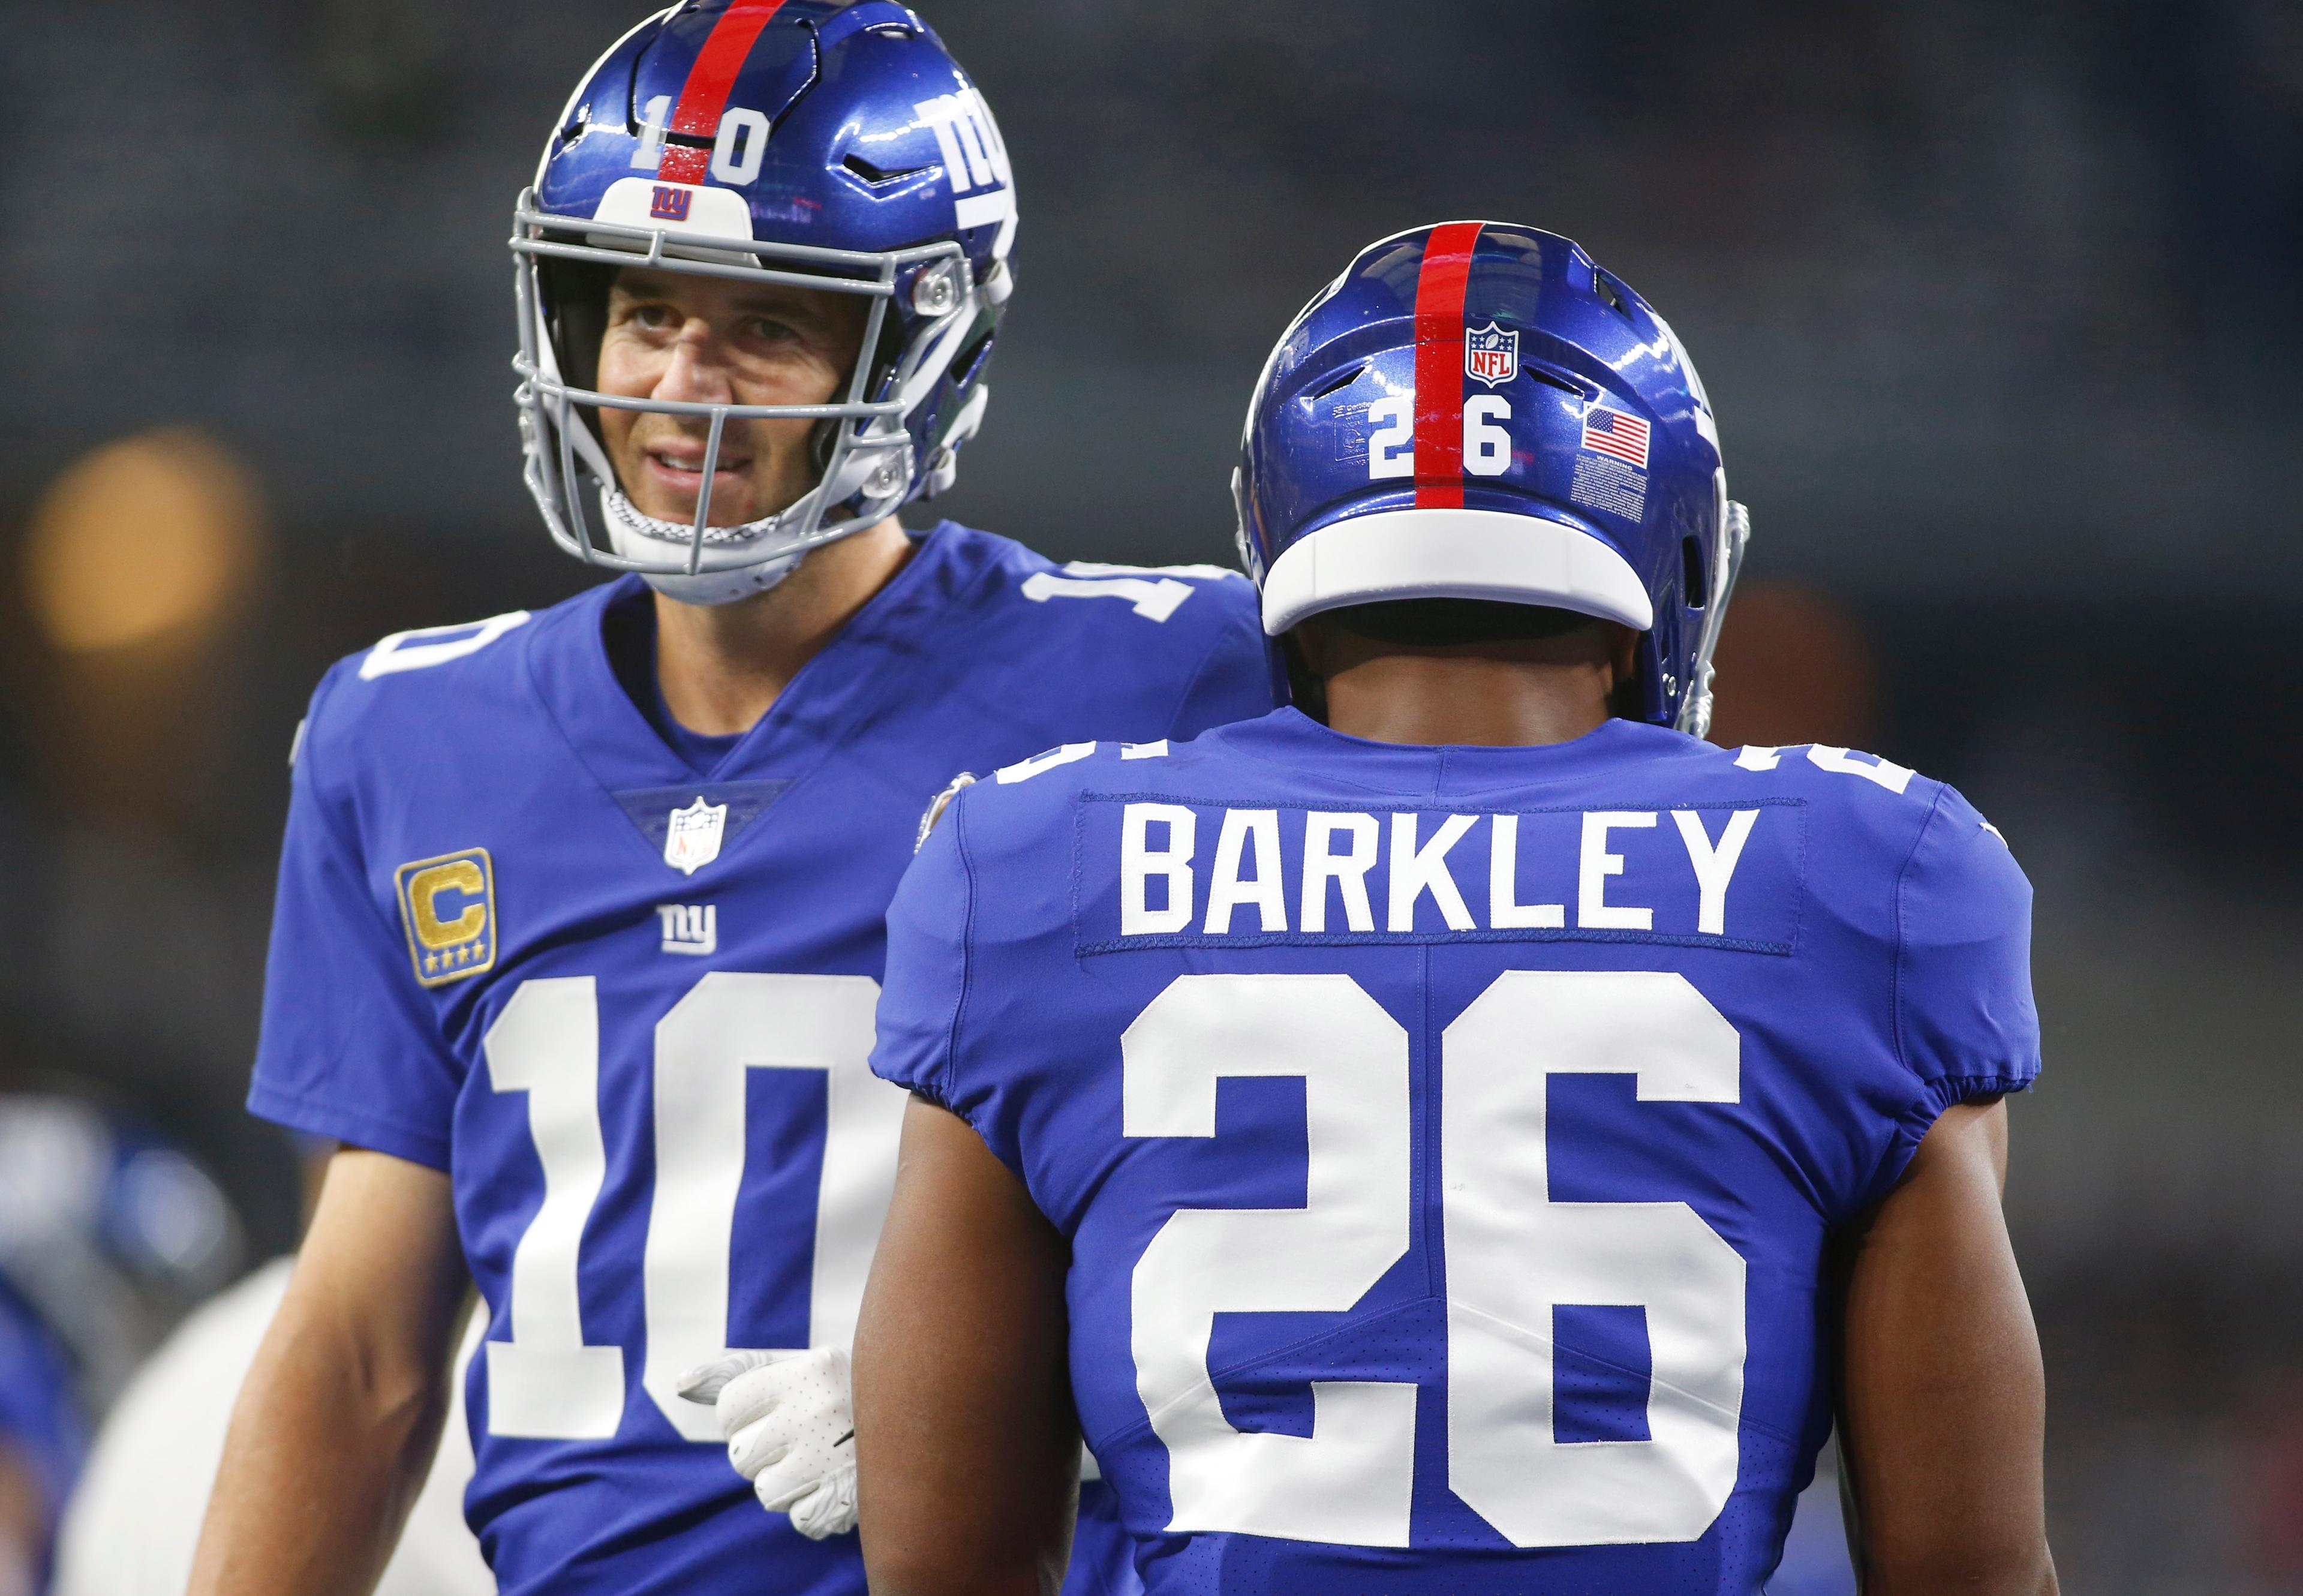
709	341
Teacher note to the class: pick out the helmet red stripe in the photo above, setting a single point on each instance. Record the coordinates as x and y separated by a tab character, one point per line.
705	96
1439	291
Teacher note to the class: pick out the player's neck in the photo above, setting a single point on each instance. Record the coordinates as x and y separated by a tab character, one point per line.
1498	695
721	667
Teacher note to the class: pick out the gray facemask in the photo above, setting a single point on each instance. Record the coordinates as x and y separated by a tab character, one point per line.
871	468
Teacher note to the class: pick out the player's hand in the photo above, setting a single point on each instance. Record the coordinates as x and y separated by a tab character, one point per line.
790	1431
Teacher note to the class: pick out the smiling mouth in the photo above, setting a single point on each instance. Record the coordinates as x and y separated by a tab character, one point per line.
691	469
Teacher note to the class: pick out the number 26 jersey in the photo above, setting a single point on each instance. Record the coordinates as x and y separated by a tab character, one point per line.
627	1004
1448	1139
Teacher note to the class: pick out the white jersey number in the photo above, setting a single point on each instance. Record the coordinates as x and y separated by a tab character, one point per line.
1348	1482
1512	1255
1391	446
547	1382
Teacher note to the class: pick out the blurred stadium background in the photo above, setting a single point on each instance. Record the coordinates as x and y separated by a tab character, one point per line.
2001	307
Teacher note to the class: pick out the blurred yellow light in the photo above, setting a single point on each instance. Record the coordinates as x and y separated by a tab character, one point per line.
148	538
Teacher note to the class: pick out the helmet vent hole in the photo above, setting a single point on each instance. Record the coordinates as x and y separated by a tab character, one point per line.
969	364
1340	382
1608	291
1696	592
876	175
1552	380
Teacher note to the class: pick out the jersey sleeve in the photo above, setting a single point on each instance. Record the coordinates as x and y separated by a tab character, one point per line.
1239	677
1965	1022
924	988
350	1048
957	990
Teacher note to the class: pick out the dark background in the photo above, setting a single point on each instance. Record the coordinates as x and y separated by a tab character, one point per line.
2000	306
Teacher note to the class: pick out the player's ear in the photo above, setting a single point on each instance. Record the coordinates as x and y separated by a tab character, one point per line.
1624	647
1624	670
1306	644
1304	648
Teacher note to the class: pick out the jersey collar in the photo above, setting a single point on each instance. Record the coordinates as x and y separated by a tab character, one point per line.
572	675
1289	736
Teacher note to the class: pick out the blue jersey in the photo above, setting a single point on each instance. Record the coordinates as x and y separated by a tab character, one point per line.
41	1428
1448	1139
627	1004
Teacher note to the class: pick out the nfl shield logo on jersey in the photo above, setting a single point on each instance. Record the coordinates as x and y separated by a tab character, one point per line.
1491	354
692	841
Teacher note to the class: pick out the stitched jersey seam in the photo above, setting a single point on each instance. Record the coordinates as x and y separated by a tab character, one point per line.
1400	804
336	1113
1199	674
967	948
1895	969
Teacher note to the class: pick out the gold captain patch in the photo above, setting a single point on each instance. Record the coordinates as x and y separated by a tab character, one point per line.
449	906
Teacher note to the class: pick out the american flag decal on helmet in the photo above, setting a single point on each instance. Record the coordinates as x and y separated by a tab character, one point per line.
1612	432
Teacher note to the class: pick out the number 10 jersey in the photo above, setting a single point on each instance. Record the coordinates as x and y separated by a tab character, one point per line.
1447	1139
628	1005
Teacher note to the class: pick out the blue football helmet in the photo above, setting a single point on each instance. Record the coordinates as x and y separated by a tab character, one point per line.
832	144
108	1229
1476	410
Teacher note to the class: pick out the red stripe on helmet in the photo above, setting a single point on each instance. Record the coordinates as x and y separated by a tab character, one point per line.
705	96
1439	291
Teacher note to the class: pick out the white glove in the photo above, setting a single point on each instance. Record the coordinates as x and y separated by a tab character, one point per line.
790	1431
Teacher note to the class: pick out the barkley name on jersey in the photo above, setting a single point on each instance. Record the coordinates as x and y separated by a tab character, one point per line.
619	982
1448	1139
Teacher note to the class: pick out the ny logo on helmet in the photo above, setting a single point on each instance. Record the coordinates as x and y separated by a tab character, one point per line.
975	157
1491	355
671	205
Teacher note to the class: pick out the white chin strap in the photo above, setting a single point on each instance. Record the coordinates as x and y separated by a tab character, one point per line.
637	535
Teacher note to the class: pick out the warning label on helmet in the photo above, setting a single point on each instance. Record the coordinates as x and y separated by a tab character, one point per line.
1603	482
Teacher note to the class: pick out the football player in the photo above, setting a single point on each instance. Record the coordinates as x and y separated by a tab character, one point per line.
580	913
1463	1131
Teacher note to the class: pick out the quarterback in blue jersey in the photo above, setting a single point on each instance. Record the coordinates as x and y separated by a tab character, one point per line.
1463	1132
580	916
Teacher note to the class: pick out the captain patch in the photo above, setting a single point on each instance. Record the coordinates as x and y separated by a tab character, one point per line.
449	906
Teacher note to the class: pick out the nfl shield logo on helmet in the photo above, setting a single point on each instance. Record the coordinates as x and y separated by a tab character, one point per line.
692	841
1491	355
